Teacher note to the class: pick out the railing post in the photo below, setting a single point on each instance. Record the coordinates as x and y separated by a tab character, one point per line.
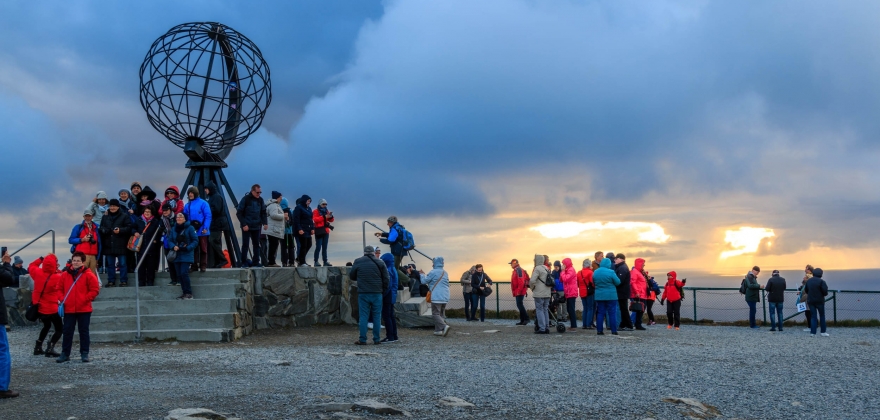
497	302
764	306
834	295
53	241
695	305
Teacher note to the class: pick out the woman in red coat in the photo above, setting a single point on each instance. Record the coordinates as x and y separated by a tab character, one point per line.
79	287
46	294
672	293
586	290
638	286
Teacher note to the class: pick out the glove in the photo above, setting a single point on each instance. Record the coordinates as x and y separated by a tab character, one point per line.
663	302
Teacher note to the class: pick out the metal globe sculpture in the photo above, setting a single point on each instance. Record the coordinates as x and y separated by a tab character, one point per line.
205	84
206	88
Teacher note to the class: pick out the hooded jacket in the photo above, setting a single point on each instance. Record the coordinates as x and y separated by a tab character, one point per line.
198	210
47	283
302	217
275	217
538	280
671	291
585	280
251	212
129	204
79	296
371	274
606	281
775	289
116	244
97	209
466	280
816	288
217	206
153	203
569	279
285	207
638	284
519	281
438	277
623	274
393	280
185	239
176	203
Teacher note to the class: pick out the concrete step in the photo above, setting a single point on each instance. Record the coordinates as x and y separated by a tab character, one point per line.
418	304
165	307
163	322
198	335
164	292
230	274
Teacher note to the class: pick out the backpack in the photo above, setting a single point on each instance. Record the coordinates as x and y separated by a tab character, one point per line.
742	287
405	238
549	281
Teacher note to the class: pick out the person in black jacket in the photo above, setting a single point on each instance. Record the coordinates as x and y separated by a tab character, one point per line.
303	228
817	289
623	291
6	279
18	270
480	281
251	215
150	229
775	298
219	226
116	228
372	279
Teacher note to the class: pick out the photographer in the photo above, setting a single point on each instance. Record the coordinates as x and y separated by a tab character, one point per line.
322	218
85	238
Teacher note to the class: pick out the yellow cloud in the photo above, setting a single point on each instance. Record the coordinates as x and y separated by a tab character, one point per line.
646	232
745	240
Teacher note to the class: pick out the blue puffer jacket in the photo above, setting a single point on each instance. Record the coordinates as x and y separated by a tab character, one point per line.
395	239
285	207
440	293
388	259
185	239
606	281
199	210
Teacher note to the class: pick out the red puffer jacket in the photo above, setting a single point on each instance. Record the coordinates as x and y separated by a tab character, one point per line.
638	284
569	279
321	221
79	297
519	284
47	283
178	207
585	282
670	291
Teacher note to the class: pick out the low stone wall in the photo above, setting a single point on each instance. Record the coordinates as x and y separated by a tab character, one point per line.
17	301
301	297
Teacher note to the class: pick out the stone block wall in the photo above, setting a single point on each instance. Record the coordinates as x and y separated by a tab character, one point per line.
301	297
17	301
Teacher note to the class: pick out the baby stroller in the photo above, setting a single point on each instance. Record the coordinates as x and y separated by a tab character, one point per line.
555	301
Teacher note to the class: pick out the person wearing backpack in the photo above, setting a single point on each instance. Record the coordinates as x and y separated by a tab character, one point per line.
753	294
587	291
672	294
606	282
541	282
480	283
398	238
519	286
817	289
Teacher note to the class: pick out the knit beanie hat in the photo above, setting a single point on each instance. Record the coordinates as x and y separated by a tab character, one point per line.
276	195
17	260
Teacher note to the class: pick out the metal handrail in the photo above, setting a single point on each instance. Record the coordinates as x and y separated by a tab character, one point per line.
36	239
364	231
137	289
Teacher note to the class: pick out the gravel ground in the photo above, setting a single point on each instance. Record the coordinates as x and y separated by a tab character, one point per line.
512	373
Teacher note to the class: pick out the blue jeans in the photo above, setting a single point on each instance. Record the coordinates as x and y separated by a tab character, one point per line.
111	269
814	320
182	270
775	309
606	308
388	317
5	360
321	246
753	308
468	297
478	298
81	322
523	315
589	304
369	304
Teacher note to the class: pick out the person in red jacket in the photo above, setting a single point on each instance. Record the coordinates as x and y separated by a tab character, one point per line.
638	290
322	218
172	198
79	287
47	292
85	238
519	285
586	290
672	293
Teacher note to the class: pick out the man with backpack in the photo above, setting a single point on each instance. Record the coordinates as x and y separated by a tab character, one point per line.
541	283
752	289
399	238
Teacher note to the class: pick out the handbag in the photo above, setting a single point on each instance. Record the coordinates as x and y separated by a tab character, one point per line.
134	243
636	306
484	292
428	295
61	305
171	256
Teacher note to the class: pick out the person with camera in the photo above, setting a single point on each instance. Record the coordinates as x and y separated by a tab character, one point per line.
6	279
395	238
304	228
198	212
481	285
672	294
117	229
182	239
46	295
322	218
86	238
638	292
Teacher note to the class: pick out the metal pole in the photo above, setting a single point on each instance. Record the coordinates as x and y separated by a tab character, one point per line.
695	305
364	231
137	289
834	295
764	305
497	303
53	242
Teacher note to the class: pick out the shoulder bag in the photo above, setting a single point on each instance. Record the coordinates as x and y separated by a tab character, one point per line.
428	295
484	292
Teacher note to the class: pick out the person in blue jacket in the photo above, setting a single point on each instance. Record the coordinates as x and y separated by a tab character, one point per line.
183	240
606	295
389	298
394	237
198	213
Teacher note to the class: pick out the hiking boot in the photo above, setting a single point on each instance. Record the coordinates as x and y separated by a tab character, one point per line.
360	343
614	333
110	284
326	264
772	329
187	297
62	358
50	351
85	357
600	333
8	394
38	348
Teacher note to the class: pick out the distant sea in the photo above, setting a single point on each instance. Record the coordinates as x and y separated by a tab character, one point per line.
868	279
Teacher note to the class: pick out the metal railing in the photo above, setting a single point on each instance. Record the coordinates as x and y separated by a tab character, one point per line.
709	304
364	231
36	239
137	288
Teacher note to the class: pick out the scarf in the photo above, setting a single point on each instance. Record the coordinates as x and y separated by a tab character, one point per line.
322	211
104	208
146	203
147	221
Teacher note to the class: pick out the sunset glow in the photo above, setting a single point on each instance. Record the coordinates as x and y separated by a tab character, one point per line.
745	240
645	232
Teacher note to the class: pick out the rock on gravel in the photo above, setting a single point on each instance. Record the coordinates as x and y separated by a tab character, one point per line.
375	407
330	407
195	414
280	362
696	408
454	402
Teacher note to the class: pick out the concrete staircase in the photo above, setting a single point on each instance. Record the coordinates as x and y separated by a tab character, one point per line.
412	311
218	311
